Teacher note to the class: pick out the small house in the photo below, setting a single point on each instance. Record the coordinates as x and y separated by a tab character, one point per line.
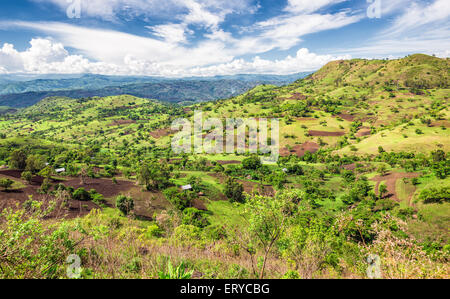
186	187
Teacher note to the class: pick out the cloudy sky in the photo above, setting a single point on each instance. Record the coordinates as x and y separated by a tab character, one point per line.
213	37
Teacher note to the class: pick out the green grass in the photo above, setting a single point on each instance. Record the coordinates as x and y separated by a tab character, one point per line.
224	212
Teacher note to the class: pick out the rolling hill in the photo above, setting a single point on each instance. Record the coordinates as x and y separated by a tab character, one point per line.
26	93
364	169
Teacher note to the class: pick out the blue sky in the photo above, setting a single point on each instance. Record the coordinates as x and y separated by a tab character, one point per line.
213	37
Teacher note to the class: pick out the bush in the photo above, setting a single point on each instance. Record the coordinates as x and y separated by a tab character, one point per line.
27	176
192	216
153	231
124	204
234	191
252	163
215	232
97	197
187	233
6	183
180	199
435	195
81	194
295	169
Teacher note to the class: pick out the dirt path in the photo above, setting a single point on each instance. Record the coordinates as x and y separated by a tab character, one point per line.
391	181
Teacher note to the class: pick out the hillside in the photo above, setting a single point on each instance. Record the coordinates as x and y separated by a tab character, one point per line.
19	94
364	169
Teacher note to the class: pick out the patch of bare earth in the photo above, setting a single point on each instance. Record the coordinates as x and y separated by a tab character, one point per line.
298	96
391	180
75	208
161	133
325	134
121	122
300	149
363	132
346	116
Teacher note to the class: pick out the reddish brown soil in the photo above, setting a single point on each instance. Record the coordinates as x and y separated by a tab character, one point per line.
301	149
161	133
347	117
121	122
228	162
391	180
298	96
199	205
325	134
75	208
363	132
103	186
440	123
349	166
16	198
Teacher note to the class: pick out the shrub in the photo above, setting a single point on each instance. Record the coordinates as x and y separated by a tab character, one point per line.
178	272
180	199
81	194
435	195
27	176
6	183
295	169
124	204
192	216
252	163
234	191
153	231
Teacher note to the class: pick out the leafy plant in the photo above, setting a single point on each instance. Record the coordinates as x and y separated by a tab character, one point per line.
178	272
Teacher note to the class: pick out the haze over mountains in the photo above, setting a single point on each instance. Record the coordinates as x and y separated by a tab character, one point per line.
23	90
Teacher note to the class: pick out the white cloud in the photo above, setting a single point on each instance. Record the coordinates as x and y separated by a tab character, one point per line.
45	56
286	31
419	28
171	33
417	17
309	6
302	62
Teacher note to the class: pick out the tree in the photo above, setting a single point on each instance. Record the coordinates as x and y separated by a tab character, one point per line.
382	190
18	159
45	186
81	194
438	156
34	163
192	216
46	172
268	217
124	204
6	183
252	163
27	176
234	190
180	199
153	175
382	170
435	195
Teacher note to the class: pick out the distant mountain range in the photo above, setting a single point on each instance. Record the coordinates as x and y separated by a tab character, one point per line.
16	91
